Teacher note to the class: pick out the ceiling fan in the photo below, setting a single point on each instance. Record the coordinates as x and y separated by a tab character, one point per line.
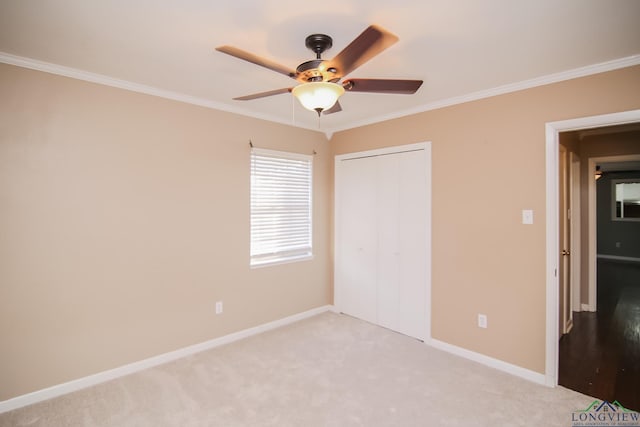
320	88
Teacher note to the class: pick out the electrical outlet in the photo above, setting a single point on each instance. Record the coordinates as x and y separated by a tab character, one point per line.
219	307
482	321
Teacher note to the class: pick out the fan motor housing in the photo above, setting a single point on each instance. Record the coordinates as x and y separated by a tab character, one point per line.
313	71
316	70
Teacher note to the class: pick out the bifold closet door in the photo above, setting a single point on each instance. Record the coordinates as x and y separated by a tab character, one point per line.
402	249
381	252
357	247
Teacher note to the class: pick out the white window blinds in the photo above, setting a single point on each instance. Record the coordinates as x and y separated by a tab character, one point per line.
280	206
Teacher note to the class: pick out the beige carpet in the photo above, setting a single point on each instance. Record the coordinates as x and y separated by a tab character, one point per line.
329	370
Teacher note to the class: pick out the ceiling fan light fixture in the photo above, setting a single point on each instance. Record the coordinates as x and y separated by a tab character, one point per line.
318	78
318	96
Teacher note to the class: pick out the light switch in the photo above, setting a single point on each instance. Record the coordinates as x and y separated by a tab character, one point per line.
527	216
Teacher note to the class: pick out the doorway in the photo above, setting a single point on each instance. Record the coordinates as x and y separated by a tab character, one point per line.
586	300
600	357
553	130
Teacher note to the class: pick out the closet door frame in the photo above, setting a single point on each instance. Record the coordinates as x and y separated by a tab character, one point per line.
426	146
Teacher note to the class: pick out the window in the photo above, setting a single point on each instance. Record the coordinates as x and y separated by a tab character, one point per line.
280	206
626	199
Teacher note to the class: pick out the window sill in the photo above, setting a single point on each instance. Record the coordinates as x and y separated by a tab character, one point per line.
278	261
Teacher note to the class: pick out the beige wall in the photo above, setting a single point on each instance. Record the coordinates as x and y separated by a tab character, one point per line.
123	219
488	164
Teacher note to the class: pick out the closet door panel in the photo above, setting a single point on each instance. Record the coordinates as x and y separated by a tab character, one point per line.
356	269
388	211
412	236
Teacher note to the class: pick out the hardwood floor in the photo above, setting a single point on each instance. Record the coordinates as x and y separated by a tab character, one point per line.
601	355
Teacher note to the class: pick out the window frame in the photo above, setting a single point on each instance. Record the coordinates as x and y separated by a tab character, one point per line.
280	253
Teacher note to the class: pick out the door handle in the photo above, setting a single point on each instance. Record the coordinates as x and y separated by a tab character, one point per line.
565	252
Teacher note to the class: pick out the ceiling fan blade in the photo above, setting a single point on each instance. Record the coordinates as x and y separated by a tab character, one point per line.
406	87
263	94
371	42
336	108
255	59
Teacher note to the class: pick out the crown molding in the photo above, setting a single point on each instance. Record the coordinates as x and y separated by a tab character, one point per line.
47	67
602	67
87	76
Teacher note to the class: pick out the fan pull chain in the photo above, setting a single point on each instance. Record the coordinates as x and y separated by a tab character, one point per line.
293	111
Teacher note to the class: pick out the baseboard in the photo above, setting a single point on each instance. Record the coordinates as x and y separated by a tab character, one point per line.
618	258
71	386
586	307
490	361
569	326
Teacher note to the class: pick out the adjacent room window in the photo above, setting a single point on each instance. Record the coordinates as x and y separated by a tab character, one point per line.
627	199
280	206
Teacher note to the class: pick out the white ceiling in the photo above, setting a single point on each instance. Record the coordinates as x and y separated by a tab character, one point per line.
462	49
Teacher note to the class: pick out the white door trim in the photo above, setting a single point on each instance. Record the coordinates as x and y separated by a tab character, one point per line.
552	229
576	237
